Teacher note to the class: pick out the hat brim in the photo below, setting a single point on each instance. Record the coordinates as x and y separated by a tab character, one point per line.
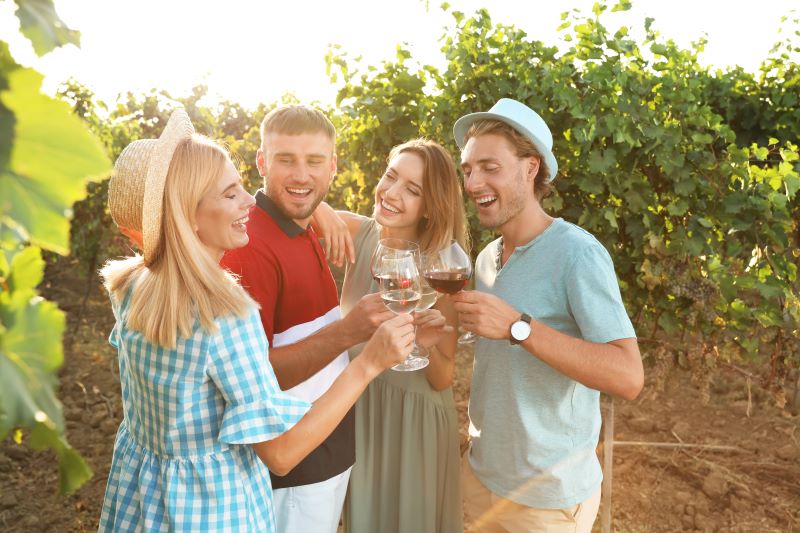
178	129
462	125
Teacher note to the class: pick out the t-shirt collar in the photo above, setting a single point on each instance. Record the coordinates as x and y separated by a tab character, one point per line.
287	225
498	258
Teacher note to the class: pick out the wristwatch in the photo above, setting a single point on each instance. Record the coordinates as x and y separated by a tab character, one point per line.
521	329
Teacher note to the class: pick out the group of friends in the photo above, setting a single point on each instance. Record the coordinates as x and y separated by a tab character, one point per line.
256	398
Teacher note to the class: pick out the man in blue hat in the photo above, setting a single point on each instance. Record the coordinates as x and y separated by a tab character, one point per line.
553	335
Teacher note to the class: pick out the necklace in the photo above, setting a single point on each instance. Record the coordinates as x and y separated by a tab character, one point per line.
498	258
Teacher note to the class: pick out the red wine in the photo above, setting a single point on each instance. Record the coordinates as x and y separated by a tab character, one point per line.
447	282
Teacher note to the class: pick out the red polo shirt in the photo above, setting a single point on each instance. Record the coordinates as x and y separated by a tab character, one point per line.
284	269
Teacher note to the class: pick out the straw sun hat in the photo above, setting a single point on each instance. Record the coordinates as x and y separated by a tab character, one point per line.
136	189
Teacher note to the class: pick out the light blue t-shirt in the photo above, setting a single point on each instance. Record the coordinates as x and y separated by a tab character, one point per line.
534	430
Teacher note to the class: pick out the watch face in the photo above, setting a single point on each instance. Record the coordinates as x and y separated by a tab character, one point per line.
520	330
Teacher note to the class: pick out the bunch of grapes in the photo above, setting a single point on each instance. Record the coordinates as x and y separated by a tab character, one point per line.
663	361
698	290
700	370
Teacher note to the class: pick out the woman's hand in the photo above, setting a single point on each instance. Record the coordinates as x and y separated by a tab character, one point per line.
338	244
431	327
390	344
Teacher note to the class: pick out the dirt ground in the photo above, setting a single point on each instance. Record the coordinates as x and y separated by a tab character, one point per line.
749	483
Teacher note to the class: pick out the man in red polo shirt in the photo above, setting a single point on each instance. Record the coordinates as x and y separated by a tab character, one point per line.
285	270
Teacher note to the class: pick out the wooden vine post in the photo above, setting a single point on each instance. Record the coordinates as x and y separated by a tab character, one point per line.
608	463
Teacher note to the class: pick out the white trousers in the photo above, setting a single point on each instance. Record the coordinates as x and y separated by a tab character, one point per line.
316	507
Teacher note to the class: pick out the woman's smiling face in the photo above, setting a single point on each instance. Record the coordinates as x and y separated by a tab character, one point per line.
398	197
221	216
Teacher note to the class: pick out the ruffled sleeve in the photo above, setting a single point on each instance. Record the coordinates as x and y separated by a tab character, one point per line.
256	410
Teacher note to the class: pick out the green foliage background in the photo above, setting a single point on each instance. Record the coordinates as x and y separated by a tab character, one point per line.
47	154
688	175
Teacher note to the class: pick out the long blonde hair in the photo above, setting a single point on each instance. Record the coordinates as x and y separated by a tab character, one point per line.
441	190
184	283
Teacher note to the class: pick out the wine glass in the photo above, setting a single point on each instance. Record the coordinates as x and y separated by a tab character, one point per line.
428	296
448	271
399	281
390	246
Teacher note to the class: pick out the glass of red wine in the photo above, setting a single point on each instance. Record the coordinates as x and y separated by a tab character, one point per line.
448	271
401	291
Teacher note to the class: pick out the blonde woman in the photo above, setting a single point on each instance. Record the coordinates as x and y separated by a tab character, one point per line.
203	413
406	475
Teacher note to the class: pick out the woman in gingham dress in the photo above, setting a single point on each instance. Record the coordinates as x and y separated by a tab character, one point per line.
203	413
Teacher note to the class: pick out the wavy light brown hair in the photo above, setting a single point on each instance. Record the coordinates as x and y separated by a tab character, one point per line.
185	283
441	191
523	147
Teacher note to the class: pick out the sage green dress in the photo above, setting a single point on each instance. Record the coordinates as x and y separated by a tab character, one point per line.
406	475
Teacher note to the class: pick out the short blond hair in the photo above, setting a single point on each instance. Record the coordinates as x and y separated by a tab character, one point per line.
296	119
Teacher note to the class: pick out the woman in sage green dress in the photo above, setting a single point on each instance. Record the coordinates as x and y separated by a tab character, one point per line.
406	474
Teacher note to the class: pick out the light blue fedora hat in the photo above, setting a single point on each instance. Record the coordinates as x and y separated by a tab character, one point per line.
520	117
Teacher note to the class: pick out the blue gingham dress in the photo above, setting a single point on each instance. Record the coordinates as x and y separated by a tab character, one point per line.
182	460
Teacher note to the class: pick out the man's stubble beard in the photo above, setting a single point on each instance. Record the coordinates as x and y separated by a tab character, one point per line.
514	204
283	209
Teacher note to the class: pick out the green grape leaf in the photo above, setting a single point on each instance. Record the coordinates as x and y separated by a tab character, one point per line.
602	160
611	218
705	222
591	184
659	49
685	187
695	244
677	208
30	353
73	470
52	156
792	182
702	138
7	121
27	269
41	24
623	5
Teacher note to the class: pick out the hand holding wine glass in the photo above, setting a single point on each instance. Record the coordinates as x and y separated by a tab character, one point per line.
448	271
400	286
488	315
390	344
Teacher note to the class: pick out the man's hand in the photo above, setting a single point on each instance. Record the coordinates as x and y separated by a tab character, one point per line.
484	314
431	327
362	321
